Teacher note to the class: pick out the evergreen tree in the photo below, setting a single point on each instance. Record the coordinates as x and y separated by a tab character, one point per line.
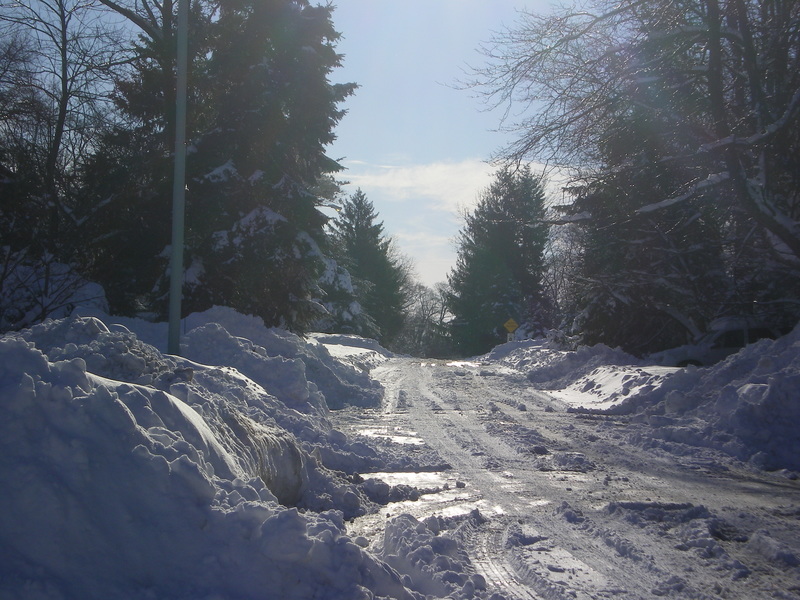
381	278
261	113
499	268
684	115
339	297
646	281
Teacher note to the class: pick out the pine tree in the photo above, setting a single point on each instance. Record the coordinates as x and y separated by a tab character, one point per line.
338	294
499	267
646	281
645	284
381	278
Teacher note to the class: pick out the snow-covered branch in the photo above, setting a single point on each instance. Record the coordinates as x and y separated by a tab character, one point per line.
712	180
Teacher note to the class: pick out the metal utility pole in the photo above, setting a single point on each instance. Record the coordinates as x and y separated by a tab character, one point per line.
179	181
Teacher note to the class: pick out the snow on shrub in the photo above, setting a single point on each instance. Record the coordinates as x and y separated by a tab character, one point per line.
31	292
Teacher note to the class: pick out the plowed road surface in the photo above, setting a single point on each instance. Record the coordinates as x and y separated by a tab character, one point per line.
577	507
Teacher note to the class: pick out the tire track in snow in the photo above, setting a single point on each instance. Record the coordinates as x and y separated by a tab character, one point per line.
590	552
489	560
464	447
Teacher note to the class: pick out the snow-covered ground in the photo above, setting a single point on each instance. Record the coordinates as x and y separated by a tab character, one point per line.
747	406
264	465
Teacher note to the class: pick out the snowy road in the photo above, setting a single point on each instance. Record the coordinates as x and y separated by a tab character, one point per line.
575	507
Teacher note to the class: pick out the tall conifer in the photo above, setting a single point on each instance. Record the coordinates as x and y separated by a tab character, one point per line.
262	111
499	268
380	275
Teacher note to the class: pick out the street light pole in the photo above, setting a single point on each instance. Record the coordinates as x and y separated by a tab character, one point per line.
179	181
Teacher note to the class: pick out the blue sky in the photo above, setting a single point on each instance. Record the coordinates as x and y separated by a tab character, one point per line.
415	144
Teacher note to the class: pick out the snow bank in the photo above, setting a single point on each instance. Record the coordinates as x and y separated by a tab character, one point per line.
590	377
524	353
747	406
339	382
565	367
551	365
429	554
606	387
362	353
133	474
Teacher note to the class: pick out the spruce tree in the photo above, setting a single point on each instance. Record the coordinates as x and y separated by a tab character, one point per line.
500	265
262	111
380	276
339	296
646	281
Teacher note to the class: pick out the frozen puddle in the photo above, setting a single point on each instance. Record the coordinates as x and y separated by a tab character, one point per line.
395	435
447	503
422	480
454	497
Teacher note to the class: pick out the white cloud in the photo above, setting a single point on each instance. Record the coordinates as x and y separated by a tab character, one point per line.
443	186
430	247
423	239
420	206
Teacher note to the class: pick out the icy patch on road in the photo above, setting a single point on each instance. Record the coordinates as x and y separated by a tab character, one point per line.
424	479
464	363
394	435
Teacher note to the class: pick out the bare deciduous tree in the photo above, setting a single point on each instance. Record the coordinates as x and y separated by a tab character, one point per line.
72	51
56	62
720	78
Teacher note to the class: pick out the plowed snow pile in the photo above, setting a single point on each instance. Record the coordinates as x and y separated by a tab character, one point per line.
747	406
132	474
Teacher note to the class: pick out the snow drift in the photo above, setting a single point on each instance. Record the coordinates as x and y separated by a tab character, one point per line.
133	474
747	406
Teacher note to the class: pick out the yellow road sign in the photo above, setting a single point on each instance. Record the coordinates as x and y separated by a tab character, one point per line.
511	325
